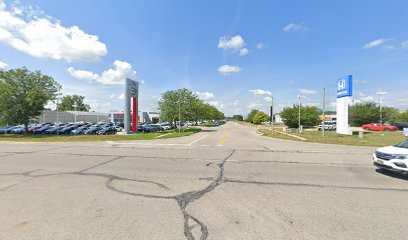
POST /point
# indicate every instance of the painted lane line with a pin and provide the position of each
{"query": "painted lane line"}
(198, 139)
(163, 135)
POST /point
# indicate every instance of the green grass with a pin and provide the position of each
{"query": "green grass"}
(373, 139)
(92, 138)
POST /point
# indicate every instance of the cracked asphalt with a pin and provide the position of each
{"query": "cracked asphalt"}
(222, 183)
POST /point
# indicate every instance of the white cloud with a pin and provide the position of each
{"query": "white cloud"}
(236, 42)
(254, 105)
(3, 65)
(260, 46)
(205, 95)
(307, 91)
(375, 43)
(113, 76)
(228, 69)
(296, 27)
(243, 52)
(258, 92)
(117, 97)
(44, 37)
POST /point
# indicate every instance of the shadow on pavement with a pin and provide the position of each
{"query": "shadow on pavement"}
(392, 174)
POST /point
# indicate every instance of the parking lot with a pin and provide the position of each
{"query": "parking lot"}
(222, 183)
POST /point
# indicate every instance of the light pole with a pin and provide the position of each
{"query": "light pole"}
(299, 97)
(271, 120)
(381, 94)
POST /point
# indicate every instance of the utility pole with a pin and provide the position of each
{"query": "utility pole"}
(381, 94)
(299, 113)
(324, 110)
(179, 115)
(272, 120)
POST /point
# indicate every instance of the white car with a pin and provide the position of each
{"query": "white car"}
(392, 158)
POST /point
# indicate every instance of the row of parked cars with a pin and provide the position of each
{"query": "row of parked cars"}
(79, 128)
(64, 128)
(385, 127)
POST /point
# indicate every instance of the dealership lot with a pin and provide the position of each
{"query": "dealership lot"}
(222, 183)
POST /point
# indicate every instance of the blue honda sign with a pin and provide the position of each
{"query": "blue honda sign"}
(345, 87)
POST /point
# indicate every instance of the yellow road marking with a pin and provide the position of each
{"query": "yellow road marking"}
(223, 139)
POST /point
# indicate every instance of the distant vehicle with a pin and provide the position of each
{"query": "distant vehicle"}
(392, 158)
(151, 128)
(54, 130)
(18, 130)
(400, 125)
(68, 129)
(328, 126)
(42, 129)
(166, 126)
(379, 127)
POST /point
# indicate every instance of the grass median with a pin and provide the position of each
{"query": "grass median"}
(372, 139)
(92, 138)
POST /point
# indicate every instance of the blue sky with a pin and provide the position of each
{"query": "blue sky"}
(220, 49)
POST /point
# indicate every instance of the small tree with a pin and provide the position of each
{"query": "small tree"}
(73, 103)
(251, 115)
(260, 117)
(403, 116)
(309, 116)
(23, 95)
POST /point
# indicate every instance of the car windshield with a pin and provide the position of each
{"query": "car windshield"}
(403, 144)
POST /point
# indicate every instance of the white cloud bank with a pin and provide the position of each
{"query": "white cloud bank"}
(113, 76)
(205, 95)
(43, 37)
(228, 69)
(243, 52)
(295, 27)
(258, 92)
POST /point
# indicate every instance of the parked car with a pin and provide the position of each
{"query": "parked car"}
(165, 126)
(392, 158)
(379, 127)
(43, 129)
(400, 125)
(67, 129)
(54, 130)
(106, 131)
(151, 128)
(79, 130)
(328, 126)
(9, 129)
(92, 130)
(18, 130)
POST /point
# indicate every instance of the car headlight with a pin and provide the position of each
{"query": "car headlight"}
(400, 156)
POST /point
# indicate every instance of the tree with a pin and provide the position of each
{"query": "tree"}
(23, 95)
(309, 116)
(238, 117)
(403, 116)
(73, 103)
(363, 113)
(185, 103)
(260, 117)
(251, 115)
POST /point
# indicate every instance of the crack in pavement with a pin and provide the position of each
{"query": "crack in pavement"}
(183, 200)
(312, 185)
(298, 162)
(300, 151)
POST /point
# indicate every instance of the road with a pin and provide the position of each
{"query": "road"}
(223, 183)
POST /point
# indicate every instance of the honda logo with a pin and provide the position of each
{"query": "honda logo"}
(341, 85)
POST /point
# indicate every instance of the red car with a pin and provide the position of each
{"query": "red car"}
(379, 127)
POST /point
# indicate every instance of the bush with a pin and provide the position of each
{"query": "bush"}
(369, 112)
(260, 117)
(251, 115)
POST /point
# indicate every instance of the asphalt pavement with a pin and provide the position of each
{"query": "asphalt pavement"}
(226, 182)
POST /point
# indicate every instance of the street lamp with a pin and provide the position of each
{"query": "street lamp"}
(381, 94)
(271, 120)
(299, 97)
